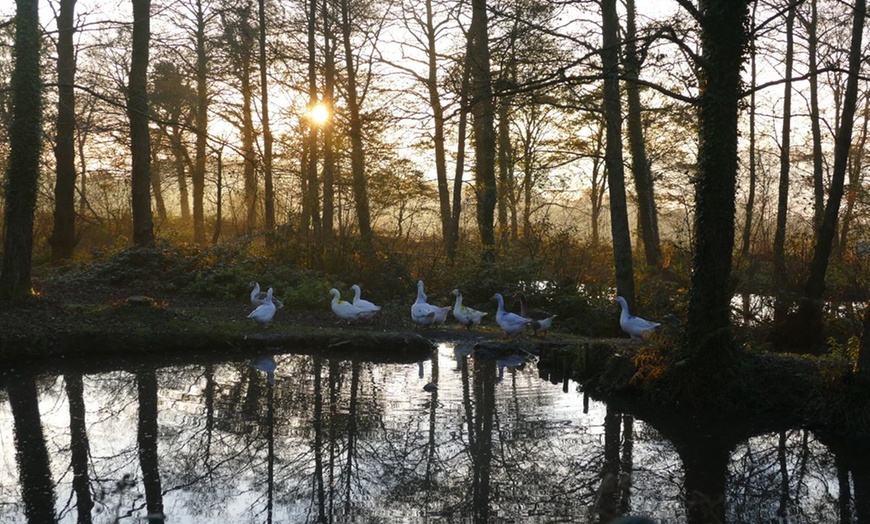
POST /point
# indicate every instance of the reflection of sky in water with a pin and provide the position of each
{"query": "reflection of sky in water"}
(405, 457)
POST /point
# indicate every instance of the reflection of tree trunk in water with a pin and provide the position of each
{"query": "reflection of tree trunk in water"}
(627, 464)
(466, 401)
(334, 380)
(782, 510)
(270, 459)
(79, 447)
(351, 431)
(844, 502)
(318, 440)
(802, 467)
(607, 499)
(433, 405)
(34, 468)
(705, 463)
(484, 401)
(146, 381)
(209, 413)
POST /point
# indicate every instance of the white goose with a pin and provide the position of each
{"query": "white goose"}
(368, 308)
(638, 328)
(511, 323)
(425, 314)
(258, 297)
(343, 309)
(466, 316)
(264, 313)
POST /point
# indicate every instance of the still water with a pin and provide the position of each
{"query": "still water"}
(291, 438)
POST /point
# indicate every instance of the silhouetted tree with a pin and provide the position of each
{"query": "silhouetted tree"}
(25, 145)
(137, 112)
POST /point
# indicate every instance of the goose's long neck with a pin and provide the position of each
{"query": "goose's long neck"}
(356, 293)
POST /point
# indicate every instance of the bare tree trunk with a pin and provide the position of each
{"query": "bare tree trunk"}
(779, 269)
(811, 27)
(357, 158)
(750, 200)
(438, 127)
(619, 225)
(483, 110)
(643, 182)
(809, 314)
(198, 174)
(63, 237)
(598, 186)
(157, 184)
(269, 195)
(328, 96)
(311, 216)
(461, 130)
(505, 163)
(137, 112)
(855, 182)
(179, 153)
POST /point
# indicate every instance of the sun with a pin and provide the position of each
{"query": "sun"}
(319, 114)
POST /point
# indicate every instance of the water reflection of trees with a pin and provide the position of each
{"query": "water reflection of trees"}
(341, 441)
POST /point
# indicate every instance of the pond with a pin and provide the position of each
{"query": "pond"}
(458, 437)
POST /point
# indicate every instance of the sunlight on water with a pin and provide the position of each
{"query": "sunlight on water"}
(457, 438)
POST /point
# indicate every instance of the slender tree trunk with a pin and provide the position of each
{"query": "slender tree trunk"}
(818, 166)
(157, 184)
(643, 181)
(856, 180)
(750, 200)
(723, 40)
(461, 136)
(809, 313)
(619, 225)
(178, 152)
(328, 126)
(505, 163)
(312, 215)
(25, 144)
(779, 269)
(198, 174)
(483, 110)
(218, 219)
(357, 157)
(137, 112)
(598, 186)
(63, 237)
(268, 191)
(438, 128)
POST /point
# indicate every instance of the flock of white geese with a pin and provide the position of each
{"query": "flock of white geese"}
(424, 314)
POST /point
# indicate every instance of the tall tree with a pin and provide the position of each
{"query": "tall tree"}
(268, 190)
(619, 225)
(779, 269)
(483, 111)
(643, 180)
(809, 314)
(811, 27)
(137, 112)
(357, 156)
(724, 37)
(63, 236)
(750, 199)
(25, 145)
(201, 122)
(310, 207)
(328, 148)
